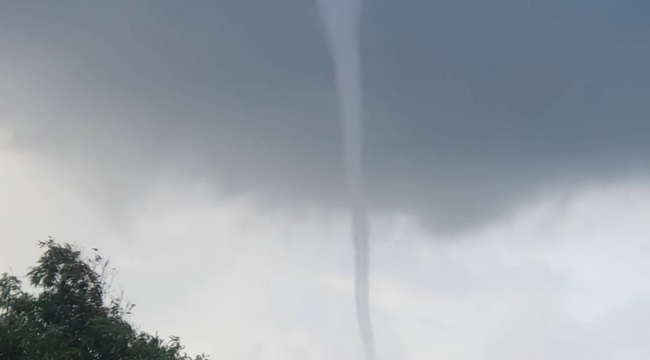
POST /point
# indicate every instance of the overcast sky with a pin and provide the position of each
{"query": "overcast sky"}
(198, 145)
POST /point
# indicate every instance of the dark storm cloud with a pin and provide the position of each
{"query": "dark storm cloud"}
(472, 106)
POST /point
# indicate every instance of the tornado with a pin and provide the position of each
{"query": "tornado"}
(341, 20)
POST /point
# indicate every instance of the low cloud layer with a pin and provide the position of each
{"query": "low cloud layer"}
(564, 279)
(473, 109)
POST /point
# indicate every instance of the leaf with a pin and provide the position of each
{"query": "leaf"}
(71, 315)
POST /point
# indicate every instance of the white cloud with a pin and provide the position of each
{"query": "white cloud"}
(563, 280)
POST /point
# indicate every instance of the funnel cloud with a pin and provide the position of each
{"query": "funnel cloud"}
(341, 20)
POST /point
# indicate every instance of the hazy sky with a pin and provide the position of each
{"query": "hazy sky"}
(197, 143)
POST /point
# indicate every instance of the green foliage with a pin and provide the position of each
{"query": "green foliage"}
(71, 316)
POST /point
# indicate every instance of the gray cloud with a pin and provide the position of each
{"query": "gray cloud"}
(472, 108)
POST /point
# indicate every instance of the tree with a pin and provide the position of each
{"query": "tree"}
(72, 315)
